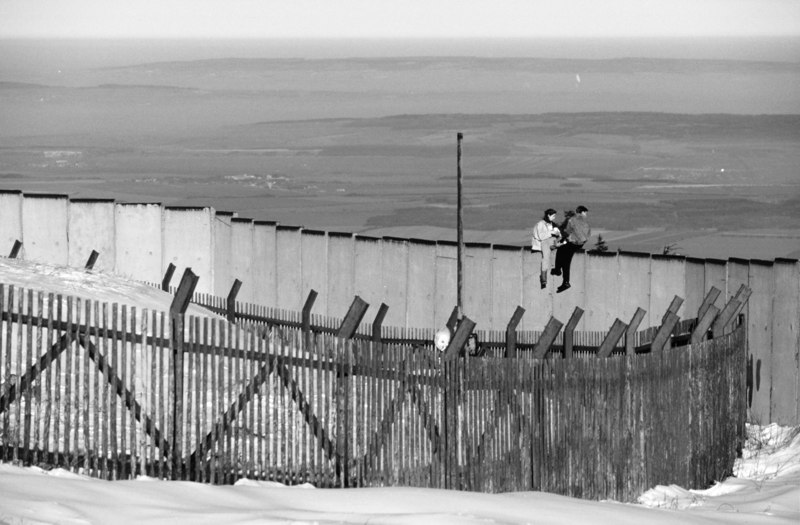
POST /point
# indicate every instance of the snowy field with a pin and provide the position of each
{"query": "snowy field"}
(764, 490)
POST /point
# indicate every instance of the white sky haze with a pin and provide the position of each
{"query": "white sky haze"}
(392, 19)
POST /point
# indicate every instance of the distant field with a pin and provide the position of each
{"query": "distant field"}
(250, 140)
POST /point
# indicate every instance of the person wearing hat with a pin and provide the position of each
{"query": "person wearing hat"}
(545, 235)
(576, 232)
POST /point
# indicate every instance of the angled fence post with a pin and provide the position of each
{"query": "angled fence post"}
(309, 304)
(742, 295)
(673, 307)
(15, 250)
(569, 331)
(728, 313)
(377, 323)
(92, 259)
(354, 316)
(708, 300)
(180, 303)
(630, 333)
(664, 332)
(459, 339)
(613, 336)
(703, 324)
(453, 320)
(231, 301)
(511, 331)
(167, 277)
(545, 341)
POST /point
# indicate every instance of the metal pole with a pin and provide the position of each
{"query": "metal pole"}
(460, 233)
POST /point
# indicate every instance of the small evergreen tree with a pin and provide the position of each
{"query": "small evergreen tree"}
(600, 246)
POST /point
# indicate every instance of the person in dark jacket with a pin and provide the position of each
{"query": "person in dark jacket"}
(576, 232)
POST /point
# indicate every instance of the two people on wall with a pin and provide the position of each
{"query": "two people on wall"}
(564, 239)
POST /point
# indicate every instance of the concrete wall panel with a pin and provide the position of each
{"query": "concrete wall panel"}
(446, 282)
(717, 275)
(264, 263)
(91, 227)
(394, 267)
(634, 286)
(694, 286)
(538, 302)
(222, 273)
(314, 253)
(341, 275)
(602, 290)
(288, 274)
(10, 220)
(507, 284)
(738, 275)
(242, 262)
(189, 243)
(478, 286)
(785, 402)
(421, 283)
(667, 279)
(368, 278)
(138, 242)
(564, 303)
(759, 327)
(45, 220)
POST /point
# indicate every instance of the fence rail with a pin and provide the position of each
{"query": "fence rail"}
(114, 392)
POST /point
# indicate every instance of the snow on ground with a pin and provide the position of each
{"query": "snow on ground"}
(765, 488)
(765, 491)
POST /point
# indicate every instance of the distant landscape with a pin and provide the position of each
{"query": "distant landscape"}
(697, 157)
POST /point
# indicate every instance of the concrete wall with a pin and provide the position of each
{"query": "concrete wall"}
(279, 265)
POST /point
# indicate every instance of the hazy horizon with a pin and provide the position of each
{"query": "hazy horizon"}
(31, 53)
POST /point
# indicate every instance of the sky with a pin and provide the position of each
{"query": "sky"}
(393, 19)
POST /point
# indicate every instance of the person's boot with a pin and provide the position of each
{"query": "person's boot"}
(563, 287)
(543, 279)
(555, 271)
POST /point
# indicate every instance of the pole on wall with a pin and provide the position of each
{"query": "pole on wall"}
(460, 232)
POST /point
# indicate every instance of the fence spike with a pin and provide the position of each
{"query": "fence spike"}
(613, 336)
(511, 331)
(630, 333)
(569, 331)
(549, 335)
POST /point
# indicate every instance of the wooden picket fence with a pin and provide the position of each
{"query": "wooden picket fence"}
(115, 392)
